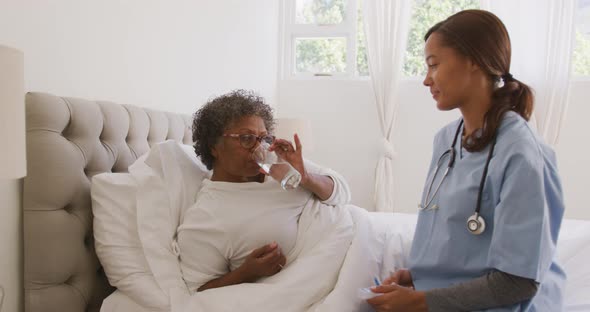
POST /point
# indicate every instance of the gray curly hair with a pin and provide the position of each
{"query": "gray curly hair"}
(211, 120)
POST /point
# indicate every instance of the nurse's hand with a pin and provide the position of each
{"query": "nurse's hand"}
(398, 298)
(401, 277)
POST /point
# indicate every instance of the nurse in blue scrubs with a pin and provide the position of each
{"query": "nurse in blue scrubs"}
(492, 203)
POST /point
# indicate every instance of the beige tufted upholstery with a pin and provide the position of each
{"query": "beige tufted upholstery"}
(68, 141)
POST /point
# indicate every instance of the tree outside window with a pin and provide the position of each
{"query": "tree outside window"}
(581, 53)
(326, 54)
(427, 13)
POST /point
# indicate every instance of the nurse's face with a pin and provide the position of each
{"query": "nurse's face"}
(233, 161)
(449, 75)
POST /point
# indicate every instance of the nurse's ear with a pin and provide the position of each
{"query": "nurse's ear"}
(473, 66)
(477, 73)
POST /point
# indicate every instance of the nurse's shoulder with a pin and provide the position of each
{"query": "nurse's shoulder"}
(516, 137)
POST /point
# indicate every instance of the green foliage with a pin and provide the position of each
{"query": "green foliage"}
(320, 55)
(328, 55)
(427, 13)
(324, 12)
(581, 55)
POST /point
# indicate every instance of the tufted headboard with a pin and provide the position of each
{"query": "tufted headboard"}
(69, 140)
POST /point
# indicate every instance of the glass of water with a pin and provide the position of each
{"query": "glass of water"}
(276, 167)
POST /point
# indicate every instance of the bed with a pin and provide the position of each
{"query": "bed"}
(70, 140)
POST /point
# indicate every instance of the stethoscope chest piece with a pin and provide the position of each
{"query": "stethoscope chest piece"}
(476, 224)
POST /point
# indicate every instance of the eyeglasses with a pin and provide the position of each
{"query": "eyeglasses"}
(249, 140)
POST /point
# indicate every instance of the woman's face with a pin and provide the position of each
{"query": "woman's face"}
(233, 162)
(449, 74)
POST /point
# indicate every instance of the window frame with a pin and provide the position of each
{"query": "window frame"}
(575, 77)
(290, 31)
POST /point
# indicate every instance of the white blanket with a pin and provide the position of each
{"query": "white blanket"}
(333, 258)
(336, 252)
(363, 262)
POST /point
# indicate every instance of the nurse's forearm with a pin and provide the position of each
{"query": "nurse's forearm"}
(495, 289)
(322, 186)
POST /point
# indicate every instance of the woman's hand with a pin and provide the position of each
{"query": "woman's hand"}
(292, 155)
(401, 277)
(265, 261)
(322, 186)
(398, 298)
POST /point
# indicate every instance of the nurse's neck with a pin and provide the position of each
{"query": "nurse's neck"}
(473, 114)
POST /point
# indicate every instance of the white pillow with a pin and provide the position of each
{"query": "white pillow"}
(117, 242)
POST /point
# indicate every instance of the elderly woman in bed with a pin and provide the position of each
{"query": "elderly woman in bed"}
(243, 224)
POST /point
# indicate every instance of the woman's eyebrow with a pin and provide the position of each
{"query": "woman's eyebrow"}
(251, 131)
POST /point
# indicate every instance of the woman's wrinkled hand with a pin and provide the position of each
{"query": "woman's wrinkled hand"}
(293, 155)
(265, 261)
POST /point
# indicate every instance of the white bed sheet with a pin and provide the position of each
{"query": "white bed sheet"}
(395, 233)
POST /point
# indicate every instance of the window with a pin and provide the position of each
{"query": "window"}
(581, 53)
(425, 14)
(326, 37)
(321, 38)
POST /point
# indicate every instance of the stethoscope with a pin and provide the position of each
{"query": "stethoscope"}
(475, 223)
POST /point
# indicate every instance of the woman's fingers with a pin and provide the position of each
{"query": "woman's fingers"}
(280, 263)
(266, 249)
(297, 142)
(282, 146)
(272, 257)
(273, 262)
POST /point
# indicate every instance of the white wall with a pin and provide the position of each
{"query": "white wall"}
(346, 133)
(169, 55)
(11, 265)
(573, 152)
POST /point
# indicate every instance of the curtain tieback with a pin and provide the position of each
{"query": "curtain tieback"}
(387, 149)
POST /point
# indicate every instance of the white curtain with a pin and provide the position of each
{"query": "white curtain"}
(386, 28)
(542, 35)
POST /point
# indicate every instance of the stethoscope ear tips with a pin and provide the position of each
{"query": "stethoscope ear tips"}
(476, 224)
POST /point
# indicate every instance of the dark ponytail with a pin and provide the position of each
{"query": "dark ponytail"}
(512, 96)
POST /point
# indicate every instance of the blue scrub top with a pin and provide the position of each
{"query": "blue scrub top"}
(522, 205)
